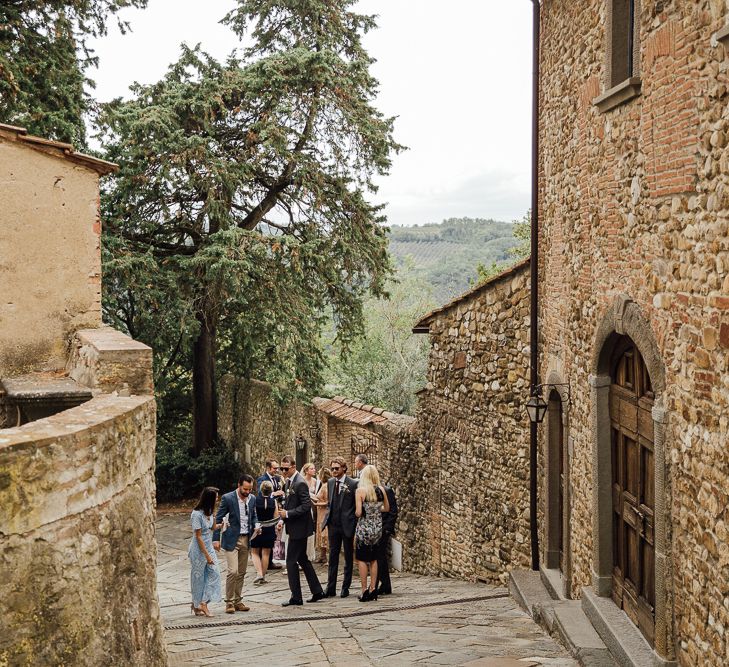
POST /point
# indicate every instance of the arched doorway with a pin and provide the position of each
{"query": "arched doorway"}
(557, 483)
(633, 486)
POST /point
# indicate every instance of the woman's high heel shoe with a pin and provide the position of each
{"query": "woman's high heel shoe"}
(365, 596)
(204, 611)
(372, 595)
(196, 611)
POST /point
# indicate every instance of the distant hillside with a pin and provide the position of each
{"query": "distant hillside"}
(446, 254)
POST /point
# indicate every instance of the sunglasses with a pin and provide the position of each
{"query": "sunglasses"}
(335, 468)
(285, 469)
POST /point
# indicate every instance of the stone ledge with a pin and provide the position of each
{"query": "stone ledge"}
(623, 639)
(106, 360)
(617, 95)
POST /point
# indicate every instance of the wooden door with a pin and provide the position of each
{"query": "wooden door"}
(633, 487)
(560, 458)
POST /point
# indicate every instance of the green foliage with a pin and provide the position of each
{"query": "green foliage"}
(181, 475)
(445, 254)
(522, 232)
(240, 206)
(387, 365)
(43, 60)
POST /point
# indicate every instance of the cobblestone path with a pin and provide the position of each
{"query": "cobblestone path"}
(427, 621)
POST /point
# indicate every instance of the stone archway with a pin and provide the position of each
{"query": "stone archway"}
(624, 319)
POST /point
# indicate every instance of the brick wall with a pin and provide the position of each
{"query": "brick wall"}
(635, 203)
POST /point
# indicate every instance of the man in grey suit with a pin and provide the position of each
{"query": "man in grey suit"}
(340, 522)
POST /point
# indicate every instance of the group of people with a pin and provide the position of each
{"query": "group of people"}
(301, 515)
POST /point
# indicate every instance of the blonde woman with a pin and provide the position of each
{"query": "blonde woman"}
(370, 502)
(308, 470)
(322, 501)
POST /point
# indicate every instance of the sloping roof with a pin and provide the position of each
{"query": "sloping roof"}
(351, 411)
(58, 148)
(423, 324)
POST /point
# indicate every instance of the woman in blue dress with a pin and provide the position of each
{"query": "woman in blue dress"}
(204, 570)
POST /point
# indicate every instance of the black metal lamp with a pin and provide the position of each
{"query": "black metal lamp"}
(300, 442)
(536, 409)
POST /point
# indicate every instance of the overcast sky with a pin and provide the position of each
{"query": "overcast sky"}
(457, 74)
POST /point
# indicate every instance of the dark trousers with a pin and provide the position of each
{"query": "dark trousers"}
(295, 556)
(337, 539)
(383, 567)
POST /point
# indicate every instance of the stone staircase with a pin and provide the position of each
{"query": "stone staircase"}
(540, 596)
(593, 629)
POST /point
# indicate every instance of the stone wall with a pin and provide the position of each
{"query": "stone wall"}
(464, 463)
(257, 426)
(49, 242)
(77, 543)
(635, 209)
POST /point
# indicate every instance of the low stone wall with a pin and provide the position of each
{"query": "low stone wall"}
(77, 544)
(256, 426)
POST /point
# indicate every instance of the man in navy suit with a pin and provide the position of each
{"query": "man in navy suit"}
(240, 506)
(296, 513)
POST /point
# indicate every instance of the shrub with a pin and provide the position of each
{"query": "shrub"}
(180, 475)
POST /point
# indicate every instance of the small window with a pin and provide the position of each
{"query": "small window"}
(623, 42)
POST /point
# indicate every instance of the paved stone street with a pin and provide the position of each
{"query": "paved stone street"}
(427, 621)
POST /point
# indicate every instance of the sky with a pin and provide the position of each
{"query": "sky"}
(457, 75)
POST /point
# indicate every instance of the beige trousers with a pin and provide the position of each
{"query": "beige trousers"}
(237, 562)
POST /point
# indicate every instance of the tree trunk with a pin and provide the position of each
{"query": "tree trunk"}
(204, 395)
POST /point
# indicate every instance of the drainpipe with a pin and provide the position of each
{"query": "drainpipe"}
(534, 285)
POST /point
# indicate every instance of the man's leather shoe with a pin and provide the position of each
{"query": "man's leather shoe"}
(242, 607)
(291, 603)
(316, 597)
(381, 591)
(344, 593)
(330, 594)
(229, 608)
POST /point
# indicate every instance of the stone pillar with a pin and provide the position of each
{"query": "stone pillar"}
(602, 520)
(663, 615)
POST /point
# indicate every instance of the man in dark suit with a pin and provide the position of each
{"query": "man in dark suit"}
(271, 475)
(240, 506)
(299, 521)
(388, 530)
(340, 522)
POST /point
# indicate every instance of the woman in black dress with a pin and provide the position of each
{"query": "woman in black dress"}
(261, 546)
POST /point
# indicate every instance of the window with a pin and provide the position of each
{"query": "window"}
(622, 67)
(622, 41)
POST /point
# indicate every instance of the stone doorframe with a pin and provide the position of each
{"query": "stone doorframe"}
(626, 319)
(552, 486)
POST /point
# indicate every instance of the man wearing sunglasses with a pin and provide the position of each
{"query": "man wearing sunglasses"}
(296, 514)
(340, 522)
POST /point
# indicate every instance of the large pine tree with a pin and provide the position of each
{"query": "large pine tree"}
(44, 59)
(240, 213)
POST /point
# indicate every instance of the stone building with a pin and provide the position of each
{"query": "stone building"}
(634, 318)
(77, 429)
(467, 453)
